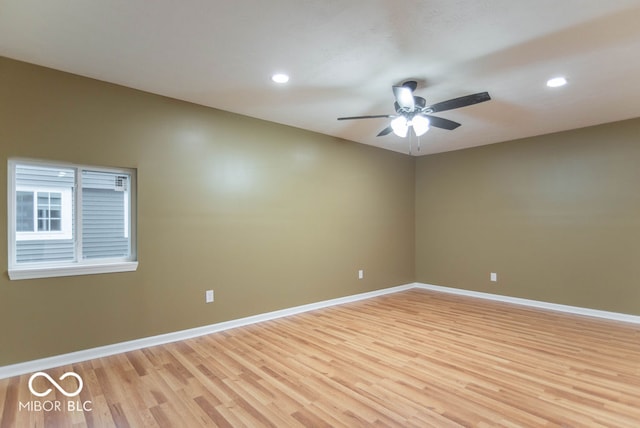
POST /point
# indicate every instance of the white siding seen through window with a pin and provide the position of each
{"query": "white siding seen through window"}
(68, 220)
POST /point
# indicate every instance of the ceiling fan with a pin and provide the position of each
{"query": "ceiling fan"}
(413, 112)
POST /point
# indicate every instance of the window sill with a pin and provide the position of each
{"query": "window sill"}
(69, 270)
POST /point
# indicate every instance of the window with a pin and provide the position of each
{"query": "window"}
(43, 213)
(49, 211)
(70, 220)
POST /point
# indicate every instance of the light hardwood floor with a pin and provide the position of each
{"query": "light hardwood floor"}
(415, 358)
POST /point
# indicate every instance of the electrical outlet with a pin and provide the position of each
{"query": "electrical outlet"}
(209, 296)
(493, 277)
(361, 274)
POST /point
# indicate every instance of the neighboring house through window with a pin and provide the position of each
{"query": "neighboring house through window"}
(70, 220)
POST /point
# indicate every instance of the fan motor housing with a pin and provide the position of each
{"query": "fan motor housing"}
(420, 104)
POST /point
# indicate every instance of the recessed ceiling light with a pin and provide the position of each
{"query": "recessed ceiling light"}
(280, 78)
(556, 82)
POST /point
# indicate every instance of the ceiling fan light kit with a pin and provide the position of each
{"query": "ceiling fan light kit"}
(400, 126)
(420, 124)
(412, 112)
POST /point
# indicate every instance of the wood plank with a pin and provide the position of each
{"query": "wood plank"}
(417, 358)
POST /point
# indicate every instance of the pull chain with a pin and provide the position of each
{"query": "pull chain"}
(410, 143)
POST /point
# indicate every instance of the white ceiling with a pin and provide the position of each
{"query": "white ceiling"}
(344, 55)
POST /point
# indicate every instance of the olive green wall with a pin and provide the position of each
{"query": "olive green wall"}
(272, 217)
(557, 217)
(268, 216)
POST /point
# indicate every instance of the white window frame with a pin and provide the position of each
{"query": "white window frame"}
(79, 266)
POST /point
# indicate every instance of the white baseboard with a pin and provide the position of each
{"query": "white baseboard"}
(117, 348)
(615, 316)
(132, 345)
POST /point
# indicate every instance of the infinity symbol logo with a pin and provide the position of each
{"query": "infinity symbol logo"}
(55, 384)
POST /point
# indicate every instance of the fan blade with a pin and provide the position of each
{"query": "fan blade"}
(386, 131)
(439, 122)
(460, 102)
(365, 117)
(404, 97)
